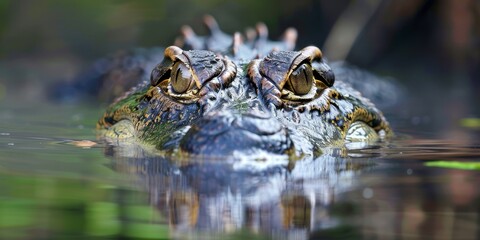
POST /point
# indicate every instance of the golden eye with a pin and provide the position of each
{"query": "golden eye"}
(300, 80)
(181, 79)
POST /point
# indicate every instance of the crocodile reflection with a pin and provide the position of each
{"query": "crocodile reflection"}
(214, 197)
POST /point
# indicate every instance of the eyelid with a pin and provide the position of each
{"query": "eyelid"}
(159, 74)
(323, 73)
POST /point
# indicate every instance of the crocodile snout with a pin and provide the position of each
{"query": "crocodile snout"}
(223, 134)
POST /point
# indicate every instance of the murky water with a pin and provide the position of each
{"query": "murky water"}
(55, 183)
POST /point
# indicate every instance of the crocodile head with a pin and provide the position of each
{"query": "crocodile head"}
(212, 99)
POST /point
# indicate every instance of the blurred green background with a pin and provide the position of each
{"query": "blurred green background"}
(430, 46)
(49, 188)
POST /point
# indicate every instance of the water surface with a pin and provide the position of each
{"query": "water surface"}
(58, 182)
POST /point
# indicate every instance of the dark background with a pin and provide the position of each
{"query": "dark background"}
(430, 47)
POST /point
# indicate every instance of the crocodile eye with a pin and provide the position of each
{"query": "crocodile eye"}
(181, 79)
(300, 80)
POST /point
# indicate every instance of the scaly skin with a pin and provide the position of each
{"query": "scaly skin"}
(249, 98)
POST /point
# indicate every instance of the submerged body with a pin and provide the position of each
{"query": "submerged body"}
(253, 98)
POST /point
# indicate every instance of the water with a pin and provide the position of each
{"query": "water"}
(57, 182)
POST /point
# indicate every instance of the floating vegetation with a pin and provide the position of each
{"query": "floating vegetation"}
(470, 122)
(455, 165)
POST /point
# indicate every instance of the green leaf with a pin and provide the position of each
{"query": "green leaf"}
(455, 165)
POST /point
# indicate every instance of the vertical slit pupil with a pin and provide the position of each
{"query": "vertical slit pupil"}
(182, 79)
(301, 79)
(176, 75)
(305, 74)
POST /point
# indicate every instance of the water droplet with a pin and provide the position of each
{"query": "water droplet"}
(409, 171)
(4, 134)
(11, 144)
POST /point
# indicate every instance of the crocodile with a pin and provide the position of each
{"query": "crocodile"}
(221, 95)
